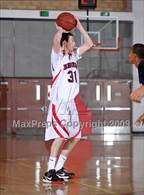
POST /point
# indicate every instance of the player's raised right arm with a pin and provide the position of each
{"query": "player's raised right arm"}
(56, 39)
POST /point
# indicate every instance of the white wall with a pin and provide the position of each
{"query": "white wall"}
(138, 37)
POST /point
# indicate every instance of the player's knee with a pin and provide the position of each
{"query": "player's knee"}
(59, 140)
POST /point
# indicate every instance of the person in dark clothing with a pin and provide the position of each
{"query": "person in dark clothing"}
(136, 57)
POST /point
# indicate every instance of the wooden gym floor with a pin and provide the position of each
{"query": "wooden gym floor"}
(104, 165)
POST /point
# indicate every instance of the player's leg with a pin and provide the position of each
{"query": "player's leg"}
(50, 175)
(71, 143)
(52, 133)
(55, 147)
(67, 148)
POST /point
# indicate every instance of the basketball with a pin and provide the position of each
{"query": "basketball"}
(67, 21)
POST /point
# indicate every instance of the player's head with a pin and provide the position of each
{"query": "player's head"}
(136, 53)
(67, 42)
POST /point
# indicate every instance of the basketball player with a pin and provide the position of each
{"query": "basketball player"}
(62, 114)
(136, 57)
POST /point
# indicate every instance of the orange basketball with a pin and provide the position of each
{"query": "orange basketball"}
(66, 20)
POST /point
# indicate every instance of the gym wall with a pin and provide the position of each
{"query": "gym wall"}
(26, 48)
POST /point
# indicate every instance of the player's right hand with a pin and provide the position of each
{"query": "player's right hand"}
(59, 28)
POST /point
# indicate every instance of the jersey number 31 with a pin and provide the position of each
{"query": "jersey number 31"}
(72, 76)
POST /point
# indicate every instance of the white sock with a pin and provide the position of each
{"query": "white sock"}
(51, 163)
(60, 162)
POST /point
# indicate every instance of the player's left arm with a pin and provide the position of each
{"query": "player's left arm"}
(87, 40)
(138, 94)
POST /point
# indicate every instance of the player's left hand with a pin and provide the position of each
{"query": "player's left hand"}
(137, 95)
(96, 46)
(140, 120)
(79, 25)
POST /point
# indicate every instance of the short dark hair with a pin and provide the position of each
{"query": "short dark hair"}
(65, 37)
(138, 49)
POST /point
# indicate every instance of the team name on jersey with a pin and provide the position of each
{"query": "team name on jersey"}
(70, 65)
